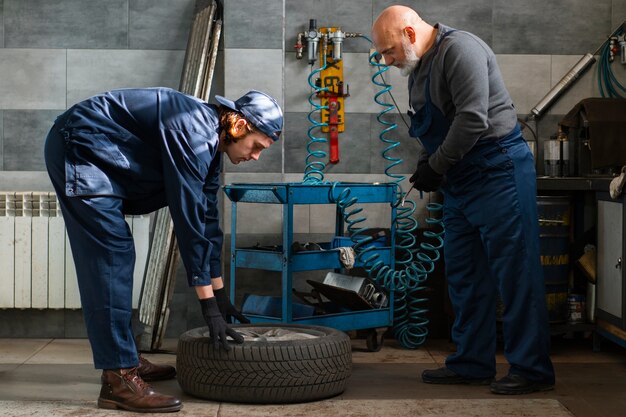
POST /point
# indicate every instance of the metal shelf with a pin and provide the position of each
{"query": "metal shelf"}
(284, 259)
(301, 261)
(353, 320)
(574, 183)
(298, 193)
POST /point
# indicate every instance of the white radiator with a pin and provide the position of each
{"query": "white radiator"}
(36, 266)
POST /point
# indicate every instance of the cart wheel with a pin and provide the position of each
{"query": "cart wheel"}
(283, 363)
(373, 341)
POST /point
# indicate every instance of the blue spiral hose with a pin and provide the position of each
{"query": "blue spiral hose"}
(412, 263)
(315, 165)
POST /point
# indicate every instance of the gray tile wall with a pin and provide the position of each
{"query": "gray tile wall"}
(350, 16)
(253, 24)
(55, 53)
(90, 24)
(475, 16)
(92, 71)
(554, 27)
(159, 24)
(2, 23)
(25, 132)
(32, 78)
(61, 51)
(618, 13)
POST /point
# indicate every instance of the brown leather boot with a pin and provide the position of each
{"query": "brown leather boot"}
(124, 389)
(149, 371)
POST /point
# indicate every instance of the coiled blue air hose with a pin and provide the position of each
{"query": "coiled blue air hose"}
(413, 264)
(315, 165)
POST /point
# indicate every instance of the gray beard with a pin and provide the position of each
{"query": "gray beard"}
(411, 60)
(409, 66)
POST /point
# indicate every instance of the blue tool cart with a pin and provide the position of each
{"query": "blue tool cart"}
(287, 261)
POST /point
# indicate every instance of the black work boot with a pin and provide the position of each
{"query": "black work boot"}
(124, 389)
(149, 371)
(446, 376)
(516, 384)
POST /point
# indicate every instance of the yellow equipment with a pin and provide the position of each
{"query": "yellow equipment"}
(331, 84)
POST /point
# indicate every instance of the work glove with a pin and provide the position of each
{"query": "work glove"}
(227, 309)
(425, 178)
(218, 329)
(417, 168)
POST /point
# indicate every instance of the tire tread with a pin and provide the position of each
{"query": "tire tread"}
(265, 372)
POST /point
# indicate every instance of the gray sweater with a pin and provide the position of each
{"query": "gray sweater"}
(467, 86)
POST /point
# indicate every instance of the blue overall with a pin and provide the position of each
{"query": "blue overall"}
(131, 152)
(491, 242)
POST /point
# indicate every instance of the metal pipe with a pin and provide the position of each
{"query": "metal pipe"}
(566, 82)
(205, 46)
(212, 58)
(581, 66)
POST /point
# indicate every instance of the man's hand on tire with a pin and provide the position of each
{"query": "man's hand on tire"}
(218, 329)
(227, 309)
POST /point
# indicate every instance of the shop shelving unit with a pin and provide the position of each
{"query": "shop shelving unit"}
(286, 261)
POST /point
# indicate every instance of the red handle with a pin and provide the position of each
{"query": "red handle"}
(334, 145)
(334, 129)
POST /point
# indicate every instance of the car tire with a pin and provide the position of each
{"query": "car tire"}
(282, 363)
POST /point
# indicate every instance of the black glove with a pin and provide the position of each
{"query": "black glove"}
(227, 309)
(425, 178)
(417, 168)
(218, 329)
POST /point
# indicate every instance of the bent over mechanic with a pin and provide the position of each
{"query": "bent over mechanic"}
(132, 151)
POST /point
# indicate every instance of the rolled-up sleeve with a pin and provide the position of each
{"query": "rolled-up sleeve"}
(185, 169)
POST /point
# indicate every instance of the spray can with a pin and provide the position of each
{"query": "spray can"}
(576, 305)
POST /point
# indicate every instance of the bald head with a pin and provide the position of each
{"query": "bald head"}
(400, 35)
(395, 18)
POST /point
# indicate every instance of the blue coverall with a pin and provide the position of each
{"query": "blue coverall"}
(133, 151)
(491, 242)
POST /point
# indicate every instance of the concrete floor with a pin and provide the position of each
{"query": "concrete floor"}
(55, 377)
